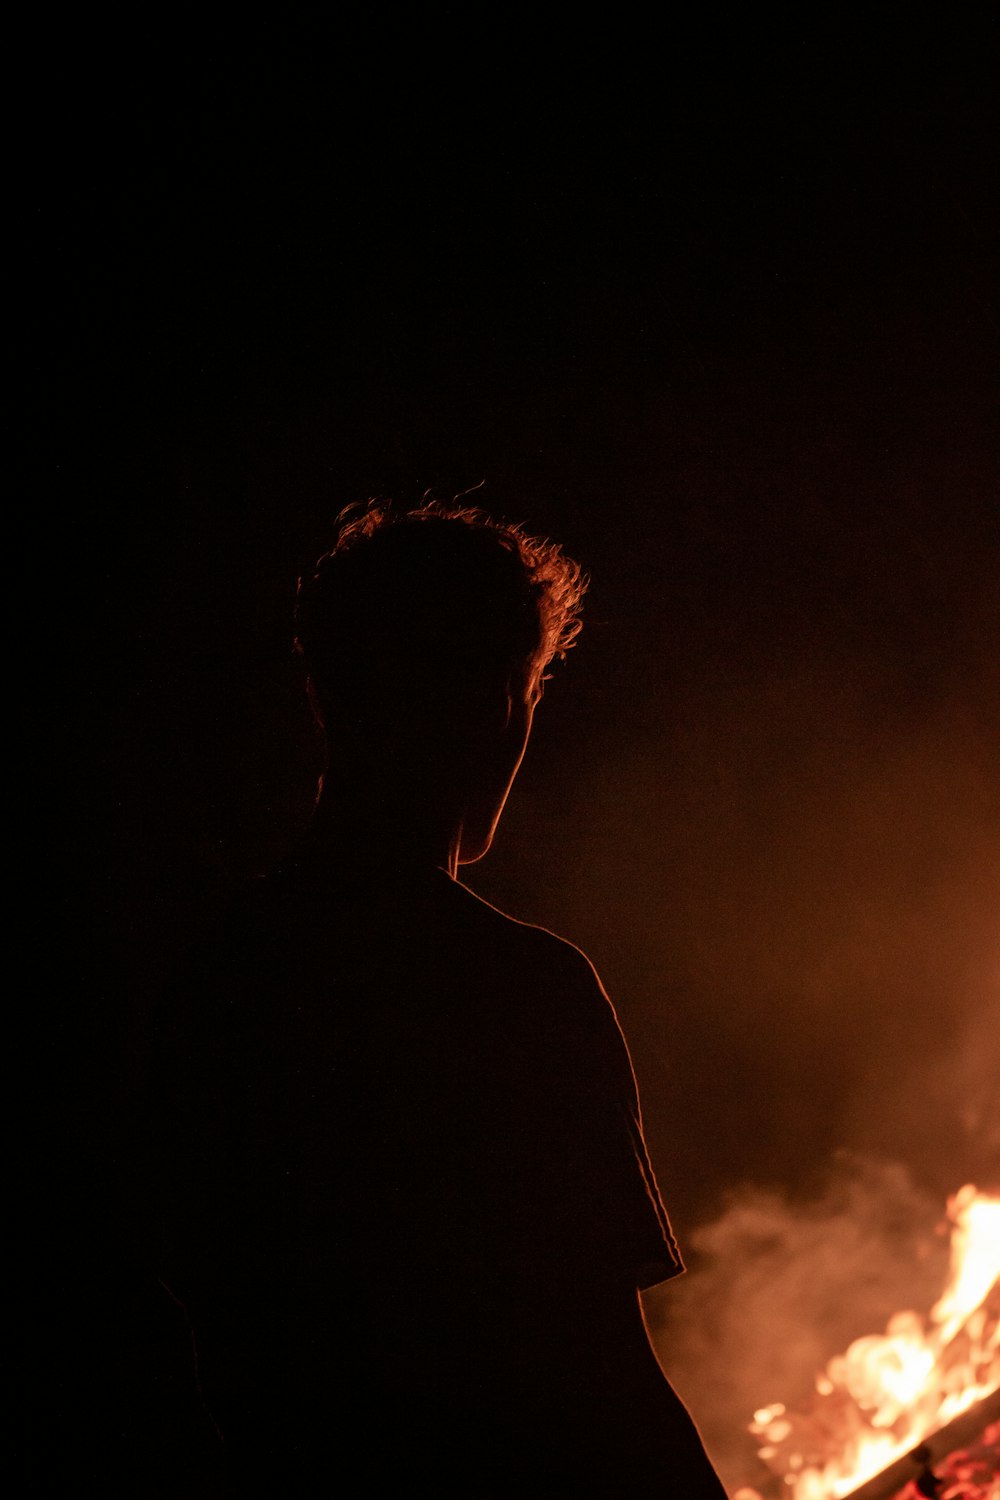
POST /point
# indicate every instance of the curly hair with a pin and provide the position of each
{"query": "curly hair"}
(439, 598)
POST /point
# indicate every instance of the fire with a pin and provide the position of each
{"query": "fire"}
(888, 1392)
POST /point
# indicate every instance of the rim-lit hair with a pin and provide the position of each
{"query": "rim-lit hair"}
(442, 599)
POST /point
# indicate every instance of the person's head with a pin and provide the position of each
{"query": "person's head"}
(426, 635)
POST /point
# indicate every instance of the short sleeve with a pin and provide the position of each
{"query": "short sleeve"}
(657, 1256)
(623, 1173)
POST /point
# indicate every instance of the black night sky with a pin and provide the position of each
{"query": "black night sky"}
(719, 313)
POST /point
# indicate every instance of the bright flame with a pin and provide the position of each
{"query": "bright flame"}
(888, 1392)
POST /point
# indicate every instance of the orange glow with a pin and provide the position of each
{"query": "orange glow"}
(888, 1392)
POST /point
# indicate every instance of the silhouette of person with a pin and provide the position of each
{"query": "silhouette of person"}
(401, 1186)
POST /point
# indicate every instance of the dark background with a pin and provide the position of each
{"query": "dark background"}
(718, 311)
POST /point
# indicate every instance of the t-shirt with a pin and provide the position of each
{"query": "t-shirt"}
(403, 1192)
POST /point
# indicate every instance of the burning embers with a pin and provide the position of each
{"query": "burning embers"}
(889, 1392)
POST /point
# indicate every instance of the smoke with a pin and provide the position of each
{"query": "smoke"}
(776, 1287)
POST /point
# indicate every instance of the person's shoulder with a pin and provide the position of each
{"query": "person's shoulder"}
(564, 966)
(516, 931)
(568, 1004)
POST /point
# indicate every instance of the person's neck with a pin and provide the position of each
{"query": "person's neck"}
(369, 830)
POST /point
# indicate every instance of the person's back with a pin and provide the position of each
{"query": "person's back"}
(404, 1192)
